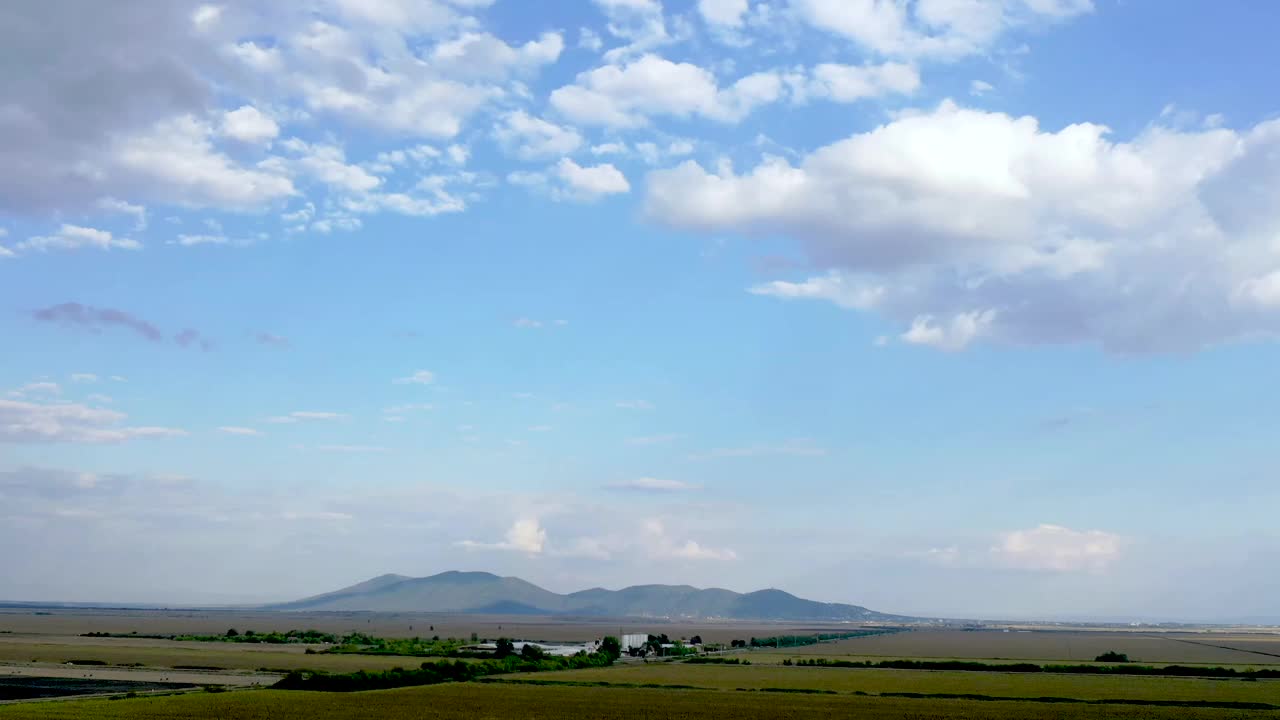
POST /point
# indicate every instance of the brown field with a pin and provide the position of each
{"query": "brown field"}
(484, 701)
(164, 622)
(848, 680)
(1049, 645)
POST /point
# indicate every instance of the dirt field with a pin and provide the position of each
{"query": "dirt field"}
(476, 701)
(170, 654)
(1051, 645)
(161, 622)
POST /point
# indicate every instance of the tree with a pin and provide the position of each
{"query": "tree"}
(233, 633)
(695, 640)
(611, 646)
(1112, 656)
(506, 648)
(532, 652)
(738, 643)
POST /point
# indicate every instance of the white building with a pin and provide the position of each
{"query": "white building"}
(634, 641)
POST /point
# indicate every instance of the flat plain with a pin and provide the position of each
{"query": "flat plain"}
(39, 643)
(1162, 648)
(483, 701)
(872, 680)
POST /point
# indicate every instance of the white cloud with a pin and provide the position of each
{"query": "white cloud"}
(178, 163)
(526, 535)
(653, 485)
(420, 377)
(248, 124)
(979, 224)
(980, 87)
(851, 83)
(481, 55)
(327, 164)
(589, 39)
(42, 387)
(75, 237)
(940, 29)
(626, 96)
(236, 430)
(113, 205)
(193, 240)
(638, 22)
(659, 544)
(723, 13)
(84, 378)
(962, 329)
(590, 182)
(530, 137)
(26, 422)
(527, 323)
(1053, 547)
(834, 287)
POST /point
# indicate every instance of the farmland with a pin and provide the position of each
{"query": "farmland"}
(470, 700)
(842, 680)
(1052, 646)
(38, 646)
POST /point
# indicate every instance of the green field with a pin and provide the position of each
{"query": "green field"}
(471, 700)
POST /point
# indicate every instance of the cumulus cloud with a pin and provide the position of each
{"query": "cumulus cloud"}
(29, 422)
(530, 137)
(851, 83)
(659, 543)
(248, 124)
(570, 181)
(525, 535)
(590, 182)
(74, 237)
(963, 224)
(626, 96)
(1053, 547)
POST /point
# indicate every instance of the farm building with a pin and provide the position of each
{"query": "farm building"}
(634, 641)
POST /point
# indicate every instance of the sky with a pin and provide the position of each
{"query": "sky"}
(943, 307)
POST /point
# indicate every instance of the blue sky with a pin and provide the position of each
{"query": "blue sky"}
(936, 306)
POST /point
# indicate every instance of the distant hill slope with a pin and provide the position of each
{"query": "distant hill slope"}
(481, 592)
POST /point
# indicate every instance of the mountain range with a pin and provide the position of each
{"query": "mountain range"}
(486, 593)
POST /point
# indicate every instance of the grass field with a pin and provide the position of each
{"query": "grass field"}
(581, 703)
(845, 680)
(1048, 646)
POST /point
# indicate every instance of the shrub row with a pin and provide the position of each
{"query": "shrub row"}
(1177, 670)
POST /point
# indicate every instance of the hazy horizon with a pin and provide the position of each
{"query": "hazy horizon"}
(949, 309)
